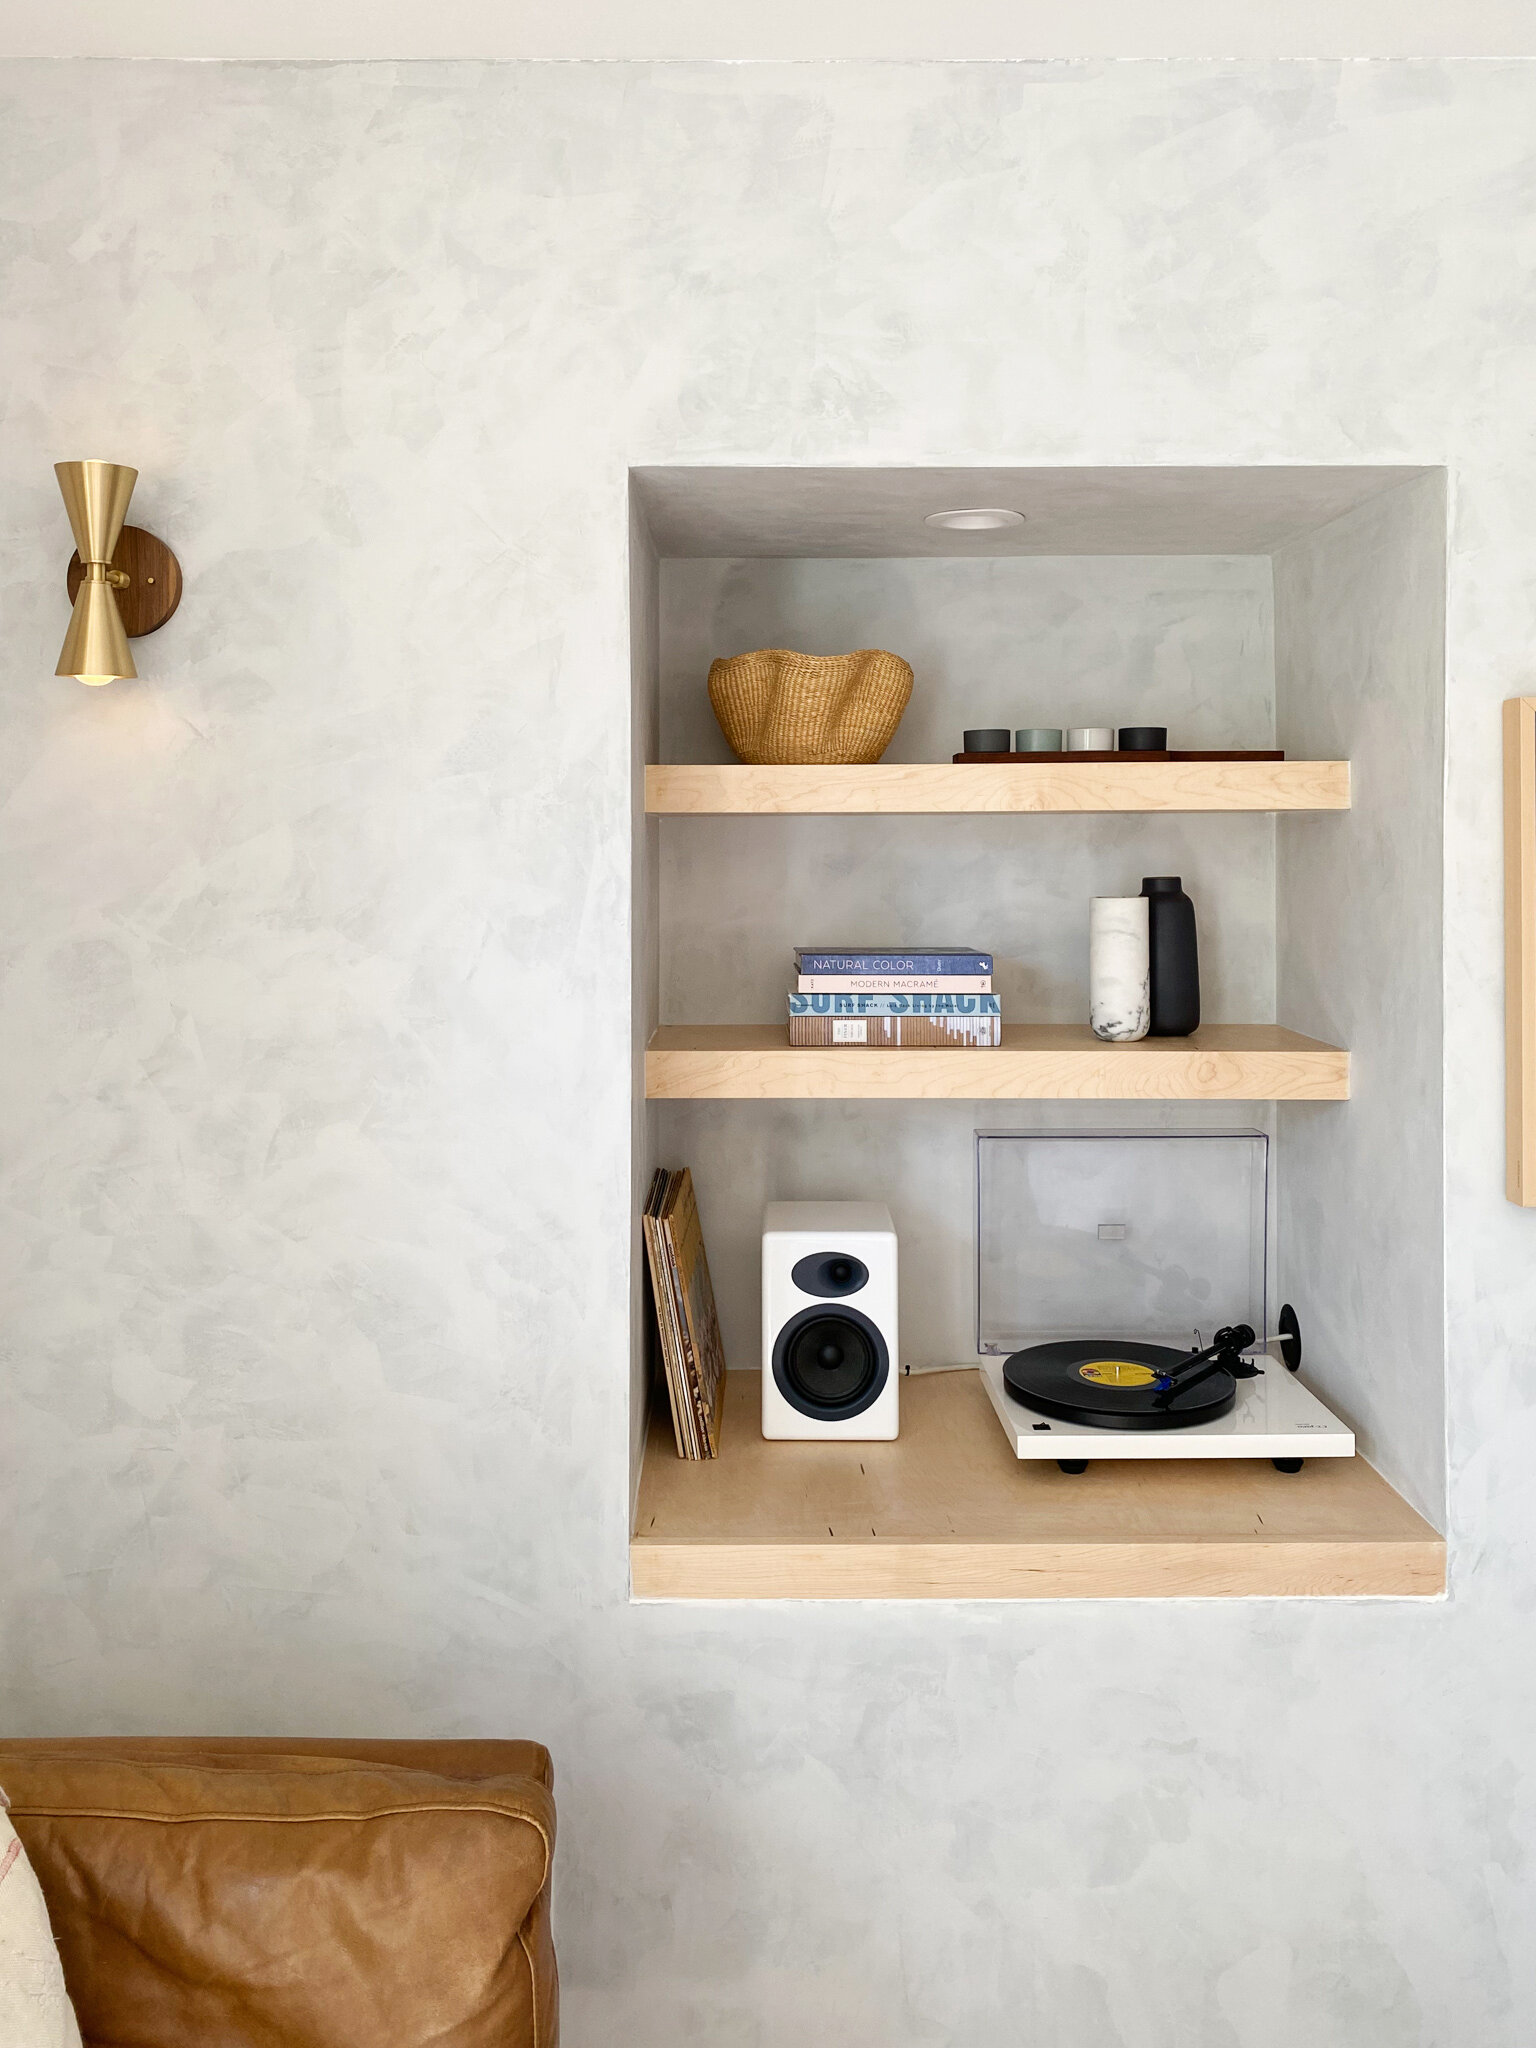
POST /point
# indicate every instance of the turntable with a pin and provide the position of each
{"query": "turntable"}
(1140, 1234)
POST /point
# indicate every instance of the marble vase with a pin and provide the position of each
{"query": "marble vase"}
(1119, 967)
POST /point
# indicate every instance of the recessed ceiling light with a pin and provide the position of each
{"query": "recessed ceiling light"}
(975, 518)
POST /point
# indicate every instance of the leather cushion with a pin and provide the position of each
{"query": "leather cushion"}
(239, 1897)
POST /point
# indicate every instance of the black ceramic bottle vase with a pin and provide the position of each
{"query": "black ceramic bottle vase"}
(1175, 957)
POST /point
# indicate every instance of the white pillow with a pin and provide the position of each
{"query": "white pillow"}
(35, 2011)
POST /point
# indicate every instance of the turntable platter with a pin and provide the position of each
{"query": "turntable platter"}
(1115, 1384)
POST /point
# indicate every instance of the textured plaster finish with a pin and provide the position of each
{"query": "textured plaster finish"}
(1187, 642)
(794, 29)
(715, 510)
(1183, 643)
(1360, 658)
(316, 1270)
(918, 1156)
(645, 963)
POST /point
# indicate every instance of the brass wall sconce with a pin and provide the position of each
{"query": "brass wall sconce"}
(123, 582)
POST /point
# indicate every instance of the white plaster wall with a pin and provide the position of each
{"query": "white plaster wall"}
(645, 954)
(316, 1273)
(1360, 647)
(1184, 641)
(918, 1158)
(793, 29)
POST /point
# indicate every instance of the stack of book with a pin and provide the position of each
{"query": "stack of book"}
(692, 1354)
(894, 995)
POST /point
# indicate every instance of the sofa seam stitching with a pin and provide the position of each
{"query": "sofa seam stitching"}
(278, 1819)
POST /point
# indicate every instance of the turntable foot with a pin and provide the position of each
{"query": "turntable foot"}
(1286, 1464)
(1072, 1464)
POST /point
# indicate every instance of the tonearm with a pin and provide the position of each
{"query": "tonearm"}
(1225, 1355)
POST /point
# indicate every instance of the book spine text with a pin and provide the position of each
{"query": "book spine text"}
(919, 1005)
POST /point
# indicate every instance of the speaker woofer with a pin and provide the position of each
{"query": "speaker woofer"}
(830, 1363)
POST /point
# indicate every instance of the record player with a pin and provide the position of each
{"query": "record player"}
(1102, 1258)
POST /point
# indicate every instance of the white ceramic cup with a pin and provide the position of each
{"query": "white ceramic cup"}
(1119, 968)
(1091, 739)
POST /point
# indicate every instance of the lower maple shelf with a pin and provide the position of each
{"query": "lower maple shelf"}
(1039, 1062)
(948, 1513)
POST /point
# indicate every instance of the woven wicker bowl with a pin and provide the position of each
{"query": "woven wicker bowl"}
(777, 706)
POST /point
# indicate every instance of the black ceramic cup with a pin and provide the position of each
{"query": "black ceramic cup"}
(989, 739)
(1143, 739)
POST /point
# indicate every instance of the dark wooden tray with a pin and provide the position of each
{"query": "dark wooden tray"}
(1171, 754)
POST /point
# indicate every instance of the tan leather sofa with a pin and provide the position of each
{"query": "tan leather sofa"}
(288, 1894)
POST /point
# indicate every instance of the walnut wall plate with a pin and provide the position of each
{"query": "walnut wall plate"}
(153, 589)
(1130, 754)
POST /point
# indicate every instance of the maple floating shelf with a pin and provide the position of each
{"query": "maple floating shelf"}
(947, 1512)
(896, 787)
(1061, 1062)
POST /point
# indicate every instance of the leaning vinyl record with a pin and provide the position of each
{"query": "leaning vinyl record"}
(1115, 1384)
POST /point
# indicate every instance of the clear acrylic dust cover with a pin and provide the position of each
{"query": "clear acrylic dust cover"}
(1156, 1235)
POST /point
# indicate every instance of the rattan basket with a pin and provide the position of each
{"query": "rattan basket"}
(775, 705)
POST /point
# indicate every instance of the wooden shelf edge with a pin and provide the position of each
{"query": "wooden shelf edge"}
(895, 788)
(947, 1512)
(1398, 1569)
(1231, 1063)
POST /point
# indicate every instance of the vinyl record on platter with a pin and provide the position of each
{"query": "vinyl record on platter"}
(1110, 1384)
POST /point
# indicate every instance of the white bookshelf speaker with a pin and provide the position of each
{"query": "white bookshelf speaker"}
(830, 1361)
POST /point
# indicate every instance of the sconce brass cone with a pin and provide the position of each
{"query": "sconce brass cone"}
(96, 497)
(96, 647)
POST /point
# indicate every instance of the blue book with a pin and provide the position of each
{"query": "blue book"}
(893, 960)
(922, 1004)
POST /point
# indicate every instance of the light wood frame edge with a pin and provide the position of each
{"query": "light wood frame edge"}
(684, 789)
(1405, 1568)
(1520, 950)
(808, 1074)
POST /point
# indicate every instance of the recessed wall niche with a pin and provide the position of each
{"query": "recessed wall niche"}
(1243, 608)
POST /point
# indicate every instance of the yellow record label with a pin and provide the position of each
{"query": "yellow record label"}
(1117, 1372)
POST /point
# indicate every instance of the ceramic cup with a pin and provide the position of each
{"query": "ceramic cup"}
(1037, 739)
(1119, 968)
(1091, 739)
(1143, 739)
(989, 739)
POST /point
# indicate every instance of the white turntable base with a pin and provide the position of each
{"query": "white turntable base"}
(1275, 1417)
